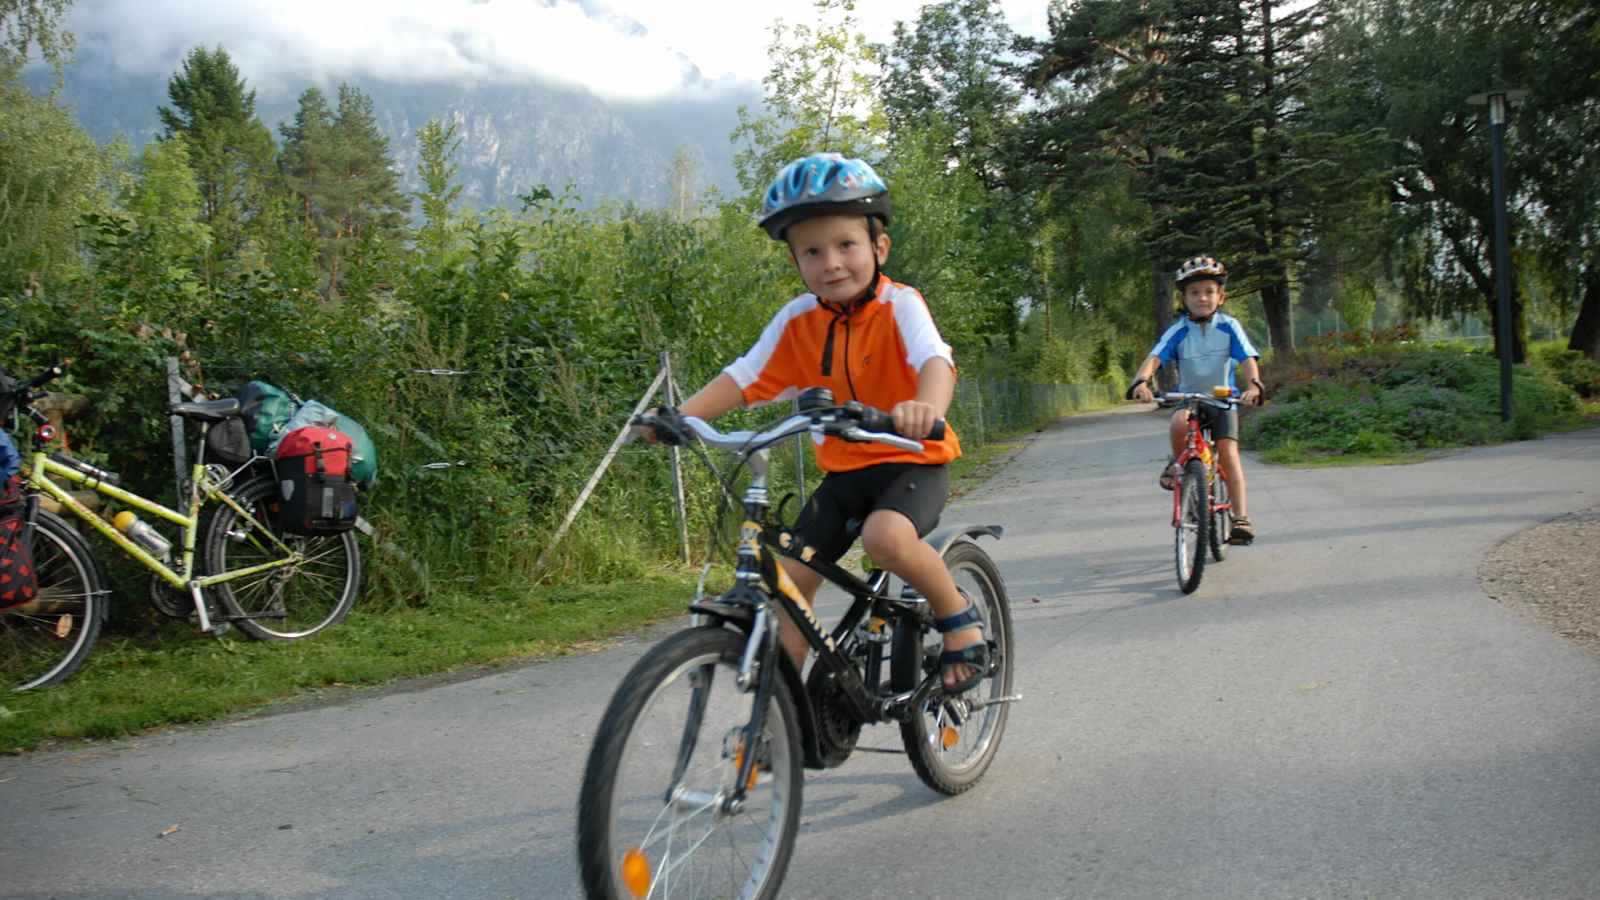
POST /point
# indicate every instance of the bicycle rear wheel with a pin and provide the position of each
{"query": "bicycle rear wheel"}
(1194, 520)
(1221, 519)
(45, 640)
(287, 603)
(950, 743)
(652, 820)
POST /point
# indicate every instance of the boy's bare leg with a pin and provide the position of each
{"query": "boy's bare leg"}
(891, 540)
(1228, 457)
(789, 635)
(1178, 432)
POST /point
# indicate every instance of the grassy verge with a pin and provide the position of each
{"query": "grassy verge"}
(127, 686)
(168, 676)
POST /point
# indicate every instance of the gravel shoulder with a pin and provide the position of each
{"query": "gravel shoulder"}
(1551, 573)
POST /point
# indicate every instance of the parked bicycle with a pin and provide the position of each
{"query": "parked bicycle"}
(1202, 512)
(692, 787)
(247, 571)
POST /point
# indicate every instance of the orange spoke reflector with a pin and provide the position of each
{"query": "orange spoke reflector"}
(636, 872)
(947, 736)
(64, 626)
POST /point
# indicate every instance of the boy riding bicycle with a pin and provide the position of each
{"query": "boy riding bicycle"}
(1207, 344)
(866, 338)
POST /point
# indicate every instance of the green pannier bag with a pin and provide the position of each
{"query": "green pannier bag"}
(266, 410)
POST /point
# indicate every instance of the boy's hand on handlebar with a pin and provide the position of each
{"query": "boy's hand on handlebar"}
(1141, 393)
(914, 419)
(655, 427)
(1251, 396)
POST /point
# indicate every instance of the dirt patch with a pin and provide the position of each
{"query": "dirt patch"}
(1551, 573)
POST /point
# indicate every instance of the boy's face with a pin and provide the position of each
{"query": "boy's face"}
(835, 255)
(1203, 297)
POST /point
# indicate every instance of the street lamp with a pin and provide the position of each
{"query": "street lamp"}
(1497, 100)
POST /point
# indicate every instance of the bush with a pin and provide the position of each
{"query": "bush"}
(1397, 402)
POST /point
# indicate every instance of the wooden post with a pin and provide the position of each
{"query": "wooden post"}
(677, 464)
(583, 496)
(180, 446)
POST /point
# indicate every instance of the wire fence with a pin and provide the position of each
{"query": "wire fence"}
(481, 469)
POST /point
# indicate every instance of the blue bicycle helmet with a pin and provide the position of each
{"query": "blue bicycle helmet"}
(822, 184)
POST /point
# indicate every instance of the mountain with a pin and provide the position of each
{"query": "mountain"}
(513, 138)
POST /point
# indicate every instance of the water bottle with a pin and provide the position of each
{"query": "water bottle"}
(142, 534)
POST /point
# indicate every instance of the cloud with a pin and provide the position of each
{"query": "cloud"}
(624, 49)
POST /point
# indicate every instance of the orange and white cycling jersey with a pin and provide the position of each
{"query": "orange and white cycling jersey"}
(872, 354)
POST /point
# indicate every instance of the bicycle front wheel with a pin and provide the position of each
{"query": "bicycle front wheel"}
(45, 640)
(286, 603)
(952, 740)
(1221, 519)
(653, 813)
(1194, 520)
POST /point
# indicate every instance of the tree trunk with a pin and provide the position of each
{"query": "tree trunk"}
(1275, 302)
(1161, 283)
(1586, 331)
(1519, 329)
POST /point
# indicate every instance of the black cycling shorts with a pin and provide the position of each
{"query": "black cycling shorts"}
(1224, 423)
(916, 491)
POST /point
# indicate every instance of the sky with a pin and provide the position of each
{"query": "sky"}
(619, 49)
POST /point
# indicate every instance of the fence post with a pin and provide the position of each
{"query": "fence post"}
(677, 466)
(583, 496)
(180, 462)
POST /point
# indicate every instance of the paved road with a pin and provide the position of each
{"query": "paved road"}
(1339, 711)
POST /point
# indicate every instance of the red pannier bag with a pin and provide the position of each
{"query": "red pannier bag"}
(19, 583)
(314, 487)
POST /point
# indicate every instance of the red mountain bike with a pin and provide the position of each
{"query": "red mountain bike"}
(1202, 510)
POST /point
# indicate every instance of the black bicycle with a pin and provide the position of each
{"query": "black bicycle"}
(692, 787)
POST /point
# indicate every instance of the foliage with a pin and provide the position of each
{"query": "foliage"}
(1571, 368)
(33, 25)
(1358, 403)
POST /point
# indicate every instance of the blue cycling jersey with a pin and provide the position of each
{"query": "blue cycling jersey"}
(10, 460)
(1206, 352)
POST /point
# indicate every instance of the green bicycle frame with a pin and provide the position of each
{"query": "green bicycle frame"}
(43, 467)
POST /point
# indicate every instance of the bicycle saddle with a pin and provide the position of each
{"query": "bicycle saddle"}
(208, 410)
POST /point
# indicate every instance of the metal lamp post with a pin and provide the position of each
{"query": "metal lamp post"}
(1496, 101)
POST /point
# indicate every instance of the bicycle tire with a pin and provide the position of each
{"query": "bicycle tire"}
(289, 603)
(46, 640)
(628, 824)
(952, 761)
(1221, 519)
(1189, 532)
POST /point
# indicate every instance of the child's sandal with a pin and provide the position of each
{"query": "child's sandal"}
(1242, 532)
(975, 656)
(1169, 474)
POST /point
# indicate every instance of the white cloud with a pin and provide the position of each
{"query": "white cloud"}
(617, 48)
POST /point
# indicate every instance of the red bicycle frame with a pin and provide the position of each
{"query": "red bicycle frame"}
(1197, 445)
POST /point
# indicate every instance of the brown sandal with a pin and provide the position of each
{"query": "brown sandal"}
(1242, 532)
(1169, 475)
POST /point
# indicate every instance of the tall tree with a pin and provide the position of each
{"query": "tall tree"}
(231, 152)
(346, 189)
(33, 25)
(818, 96)
(1099, 82)
(437, 144)
(51, 173)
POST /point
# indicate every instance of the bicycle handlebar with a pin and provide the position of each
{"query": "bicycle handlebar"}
(1174, 398)
(853, 422)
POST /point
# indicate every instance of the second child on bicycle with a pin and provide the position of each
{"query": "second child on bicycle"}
(1207, 344)
(867, 338)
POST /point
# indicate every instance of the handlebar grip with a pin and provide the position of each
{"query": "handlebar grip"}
(877, 420)
(50, 374)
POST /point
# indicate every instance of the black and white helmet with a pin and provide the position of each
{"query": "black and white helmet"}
(1201, 267)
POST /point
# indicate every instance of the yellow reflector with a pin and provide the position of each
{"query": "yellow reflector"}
(947, 736)
(1222, 392)
(64, 626)
(636, 872)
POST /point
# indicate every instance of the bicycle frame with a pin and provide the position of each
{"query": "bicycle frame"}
(759, 581)
(1198, 446)
(203, 490)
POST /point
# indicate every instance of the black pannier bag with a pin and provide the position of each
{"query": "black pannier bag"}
(228, 442)
(314, 488)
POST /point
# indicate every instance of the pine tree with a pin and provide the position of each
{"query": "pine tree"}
(230, 151)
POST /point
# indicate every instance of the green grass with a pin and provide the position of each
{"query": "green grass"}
(130, 685)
